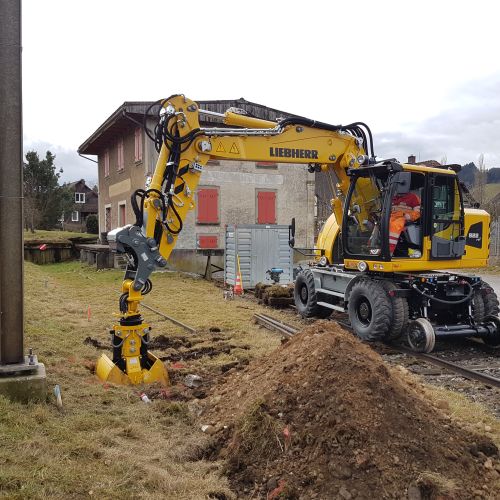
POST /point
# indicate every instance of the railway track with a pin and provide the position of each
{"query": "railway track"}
(489, 380)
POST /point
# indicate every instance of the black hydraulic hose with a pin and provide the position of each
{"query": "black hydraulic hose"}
(307, 122)
(138, 211)
(355, 128)
(367, 128)
(442, 301)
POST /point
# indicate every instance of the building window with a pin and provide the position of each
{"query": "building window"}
(207, 207)
(121, 214)
(79, 197)
(107, 218)
(121, 162)
(138, 144)
(207, 241)
(75, 216)
(266, 207)
(106, 163)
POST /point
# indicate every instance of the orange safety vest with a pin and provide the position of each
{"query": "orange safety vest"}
(404, 207)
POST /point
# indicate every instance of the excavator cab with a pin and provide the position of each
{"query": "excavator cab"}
(436, 226)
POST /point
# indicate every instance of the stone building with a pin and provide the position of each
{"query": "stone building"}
(230, 192)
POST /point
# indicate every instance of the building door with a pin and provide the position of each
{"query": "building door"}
(266, 207)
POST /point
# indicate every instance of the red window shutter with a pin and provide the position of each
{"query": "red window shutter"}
(208, 206)
(266, 207)
(207, 241)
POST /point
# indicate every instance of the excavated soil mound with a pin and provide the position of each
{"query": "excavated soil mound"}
(324, 417)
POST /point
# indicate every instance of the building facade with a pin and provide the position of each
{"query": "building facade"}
(86, 202)
(230, 192)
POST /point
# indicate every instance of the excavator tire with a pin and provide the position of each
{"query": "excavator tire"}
(478, 306)
(306, 299)
(490, 299)
(370, 310)
(400, 312)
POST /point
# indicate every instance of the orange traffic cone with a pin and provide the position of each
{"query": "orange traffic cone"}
(238, 289)
(238, 285)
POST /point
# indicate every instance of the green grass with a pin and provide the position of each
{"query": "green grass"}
(107, 443)
(55, 236)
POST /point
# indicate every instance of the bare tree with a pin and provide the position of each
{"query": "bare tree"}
(479, 188)
(444, 160)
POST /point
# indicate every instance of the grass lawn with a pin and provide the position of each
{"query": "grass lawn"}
(106, 442)
(55, 236)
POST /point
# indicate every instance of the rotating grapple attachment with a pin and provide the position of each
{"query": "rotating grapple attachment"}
(132, 363)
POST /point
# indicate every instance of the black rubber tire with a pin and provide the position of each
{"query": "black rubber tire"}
(369, 297)
(490, 299)
(400, 312)
(478, 307)
(306, 299)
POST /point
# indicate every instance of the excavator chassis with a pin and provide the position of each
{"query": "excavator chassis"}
(421, 307)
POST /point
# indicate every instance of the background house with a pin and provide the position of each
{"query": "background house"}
(230, 192)
(85, 204)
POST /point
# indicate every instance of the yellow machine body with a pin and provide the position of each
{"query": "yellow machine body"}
(185, 149)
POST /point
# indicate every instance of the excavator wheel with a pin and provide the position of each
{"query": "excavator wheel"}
(490, 299)
(400, 312)
(306, 299)
(370, 310)
(493, 340)
(421, 336)
(478, 306)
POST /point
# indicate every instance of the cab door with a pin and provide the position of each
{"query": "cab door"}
(446, 218)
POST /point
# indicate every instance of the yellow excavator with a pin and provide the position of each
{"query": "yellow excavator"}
(388, 283)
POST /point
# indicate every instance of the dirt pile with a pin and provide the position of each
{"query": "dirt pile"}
(323, 417)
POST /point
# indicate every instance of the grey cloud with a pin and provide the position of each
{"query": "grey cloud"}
(468, 127)
(74, 166)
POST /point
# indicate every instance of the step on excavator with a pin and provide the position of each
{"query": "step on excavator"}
(382, 257)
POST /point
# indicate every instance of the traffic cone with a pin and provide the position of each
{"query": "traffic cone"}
(238, 285)
(238, 289)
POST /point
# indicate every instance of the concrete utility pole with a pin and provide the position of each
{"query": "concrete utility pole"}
(20, 377)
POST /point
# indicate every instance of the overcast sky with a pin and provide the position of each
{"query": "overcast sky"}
(424, 75)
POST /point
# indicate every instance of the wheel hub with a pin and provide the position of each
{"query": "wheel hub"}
(417, 337)
(364, 312)
(303, 294)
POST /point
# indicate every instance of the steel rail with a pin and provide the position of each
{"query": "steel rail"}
(169, 318)
(274, 324)
(460, 370)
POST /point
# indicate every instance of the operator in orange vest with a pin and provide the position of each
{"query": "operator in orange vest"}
(405, 207)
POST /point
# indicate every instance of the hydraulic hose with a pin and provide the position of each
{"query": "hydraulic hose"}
(443, 301)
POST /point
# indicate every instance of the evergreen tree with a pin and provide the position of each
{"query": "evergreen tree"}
(44, 200)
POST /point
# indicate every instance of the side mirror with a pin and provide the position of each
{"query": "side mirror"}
(291, 233)
(403, 181)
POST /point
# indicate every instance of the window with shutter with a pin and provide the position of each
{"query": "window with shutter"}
(121, 160)
(106, 163)
(266, 207)
(138, 145)
(207, 209)
(207, 241)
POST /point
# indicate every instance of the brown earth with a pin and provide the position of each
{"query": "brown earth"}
(324, 417)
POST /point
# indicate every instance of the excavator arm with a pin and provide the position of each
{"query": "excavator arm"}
(161, 208)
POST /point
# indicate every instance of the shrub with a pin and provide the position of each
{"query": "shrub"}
(92, 224)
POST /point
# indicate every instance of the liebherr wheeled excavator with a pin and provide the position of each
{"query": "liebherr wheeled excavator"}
(388, 283)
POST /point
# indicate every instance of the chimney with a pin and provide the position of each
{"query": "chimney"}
(411, 159)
